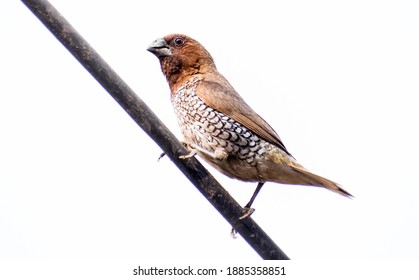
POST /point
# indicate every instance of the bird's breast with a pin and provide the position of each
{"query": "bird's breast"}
(211, 130)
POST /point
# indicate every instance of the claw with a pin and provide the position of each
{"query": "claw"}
(247, 212)
(161, 156)
(233, 233)
(218, 154)
(191, 154)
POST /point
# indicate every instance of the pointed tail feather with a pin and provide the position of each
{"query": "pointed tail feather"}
(312, 179)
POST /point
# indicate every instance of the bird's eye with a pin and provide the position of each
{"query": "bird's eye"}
(179, 41)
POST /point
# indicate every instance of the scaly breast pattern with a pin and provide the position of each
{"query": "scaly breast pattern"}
(211, 129)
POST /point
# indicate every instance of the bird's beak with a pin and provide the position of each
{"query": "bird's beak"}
(160, 48)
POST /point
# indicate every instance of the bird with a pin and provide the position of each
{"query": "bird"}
(220, 127)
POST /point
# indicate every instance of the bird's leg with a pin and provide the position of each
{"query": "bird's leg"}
(247, 208)
(191, 149)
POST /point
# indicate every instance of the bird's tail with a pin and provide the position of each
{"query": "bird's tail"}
(312, 179)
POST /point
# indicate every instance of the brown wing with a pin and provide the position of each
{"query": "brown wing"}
(217, 93)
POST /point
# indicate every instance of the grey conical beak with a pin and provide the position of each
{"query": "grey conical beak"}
(160, 48)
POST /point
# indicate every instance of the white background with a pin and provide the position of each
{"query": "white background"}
(338, 80)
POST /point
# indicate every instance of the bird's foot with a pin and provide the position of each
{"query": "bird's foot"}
(191, 149)
(218, 154)
(247, 211)
(192, 153)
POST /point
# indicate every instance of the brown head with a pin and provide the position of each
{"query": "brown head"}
(181, 57)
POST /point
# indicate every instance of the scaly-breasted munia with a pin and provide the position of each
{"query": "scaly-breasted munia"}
(220, 127)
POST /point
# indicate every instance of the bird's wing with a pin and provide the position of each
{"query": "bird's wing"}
(220, 95)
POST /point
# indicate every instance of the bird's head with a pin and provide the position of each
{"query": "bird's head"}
(181, 56)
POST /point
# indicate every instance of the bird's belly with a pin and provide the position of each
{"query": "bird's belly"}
(234, 167)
